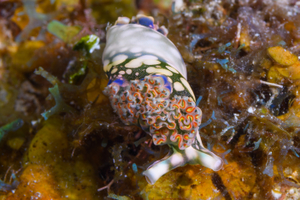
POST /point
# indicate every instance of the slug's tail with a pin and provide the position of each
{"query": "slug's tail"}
(195, 154)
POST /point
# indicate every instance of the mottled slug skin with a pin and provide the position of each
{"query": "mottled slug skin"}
(147, 84)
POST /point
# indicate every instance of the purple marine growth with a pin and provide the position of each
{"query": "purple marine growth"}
(148, 87)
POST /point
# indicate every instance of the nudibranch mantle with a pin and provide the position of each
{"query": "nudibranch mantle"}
(131, 41)
(148, 87)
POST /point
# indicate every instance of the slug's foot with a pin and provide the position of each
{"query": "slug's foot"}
(195, 154)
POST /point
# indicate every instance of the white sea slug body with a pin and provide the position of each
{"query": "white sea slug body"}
(148, 88)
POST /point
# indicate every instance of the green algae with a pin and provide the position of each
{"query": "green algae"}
(60, 105)
(87, 44)
(63, 32)
(13, 126)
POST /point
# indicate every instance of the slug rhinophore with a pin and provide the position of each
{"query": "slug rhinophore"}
(148, 87)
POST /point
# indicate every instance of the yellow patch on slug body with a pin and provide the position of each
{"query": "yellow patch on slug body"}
(135, 63)
(187, 85)
(178, 86)
(114, 70)
(151, 62)
(120, 58)
(106, 68)
(153, 70)
(172, 69)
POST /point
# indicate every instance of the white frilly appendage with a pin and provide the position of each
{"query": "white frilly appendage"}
(195, 154)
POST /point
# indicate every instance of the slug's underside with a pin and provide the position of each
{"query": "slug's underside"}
(147, 87)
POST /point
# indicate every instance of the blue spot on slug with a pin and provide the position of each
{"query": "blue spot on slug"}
(146, 22)
(119, 81)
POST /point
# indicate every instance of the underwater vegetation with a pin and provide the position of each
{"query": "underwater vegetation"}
(60, 137)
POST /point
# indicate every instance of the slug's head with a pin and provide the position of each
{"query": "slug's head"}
(143, 20)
